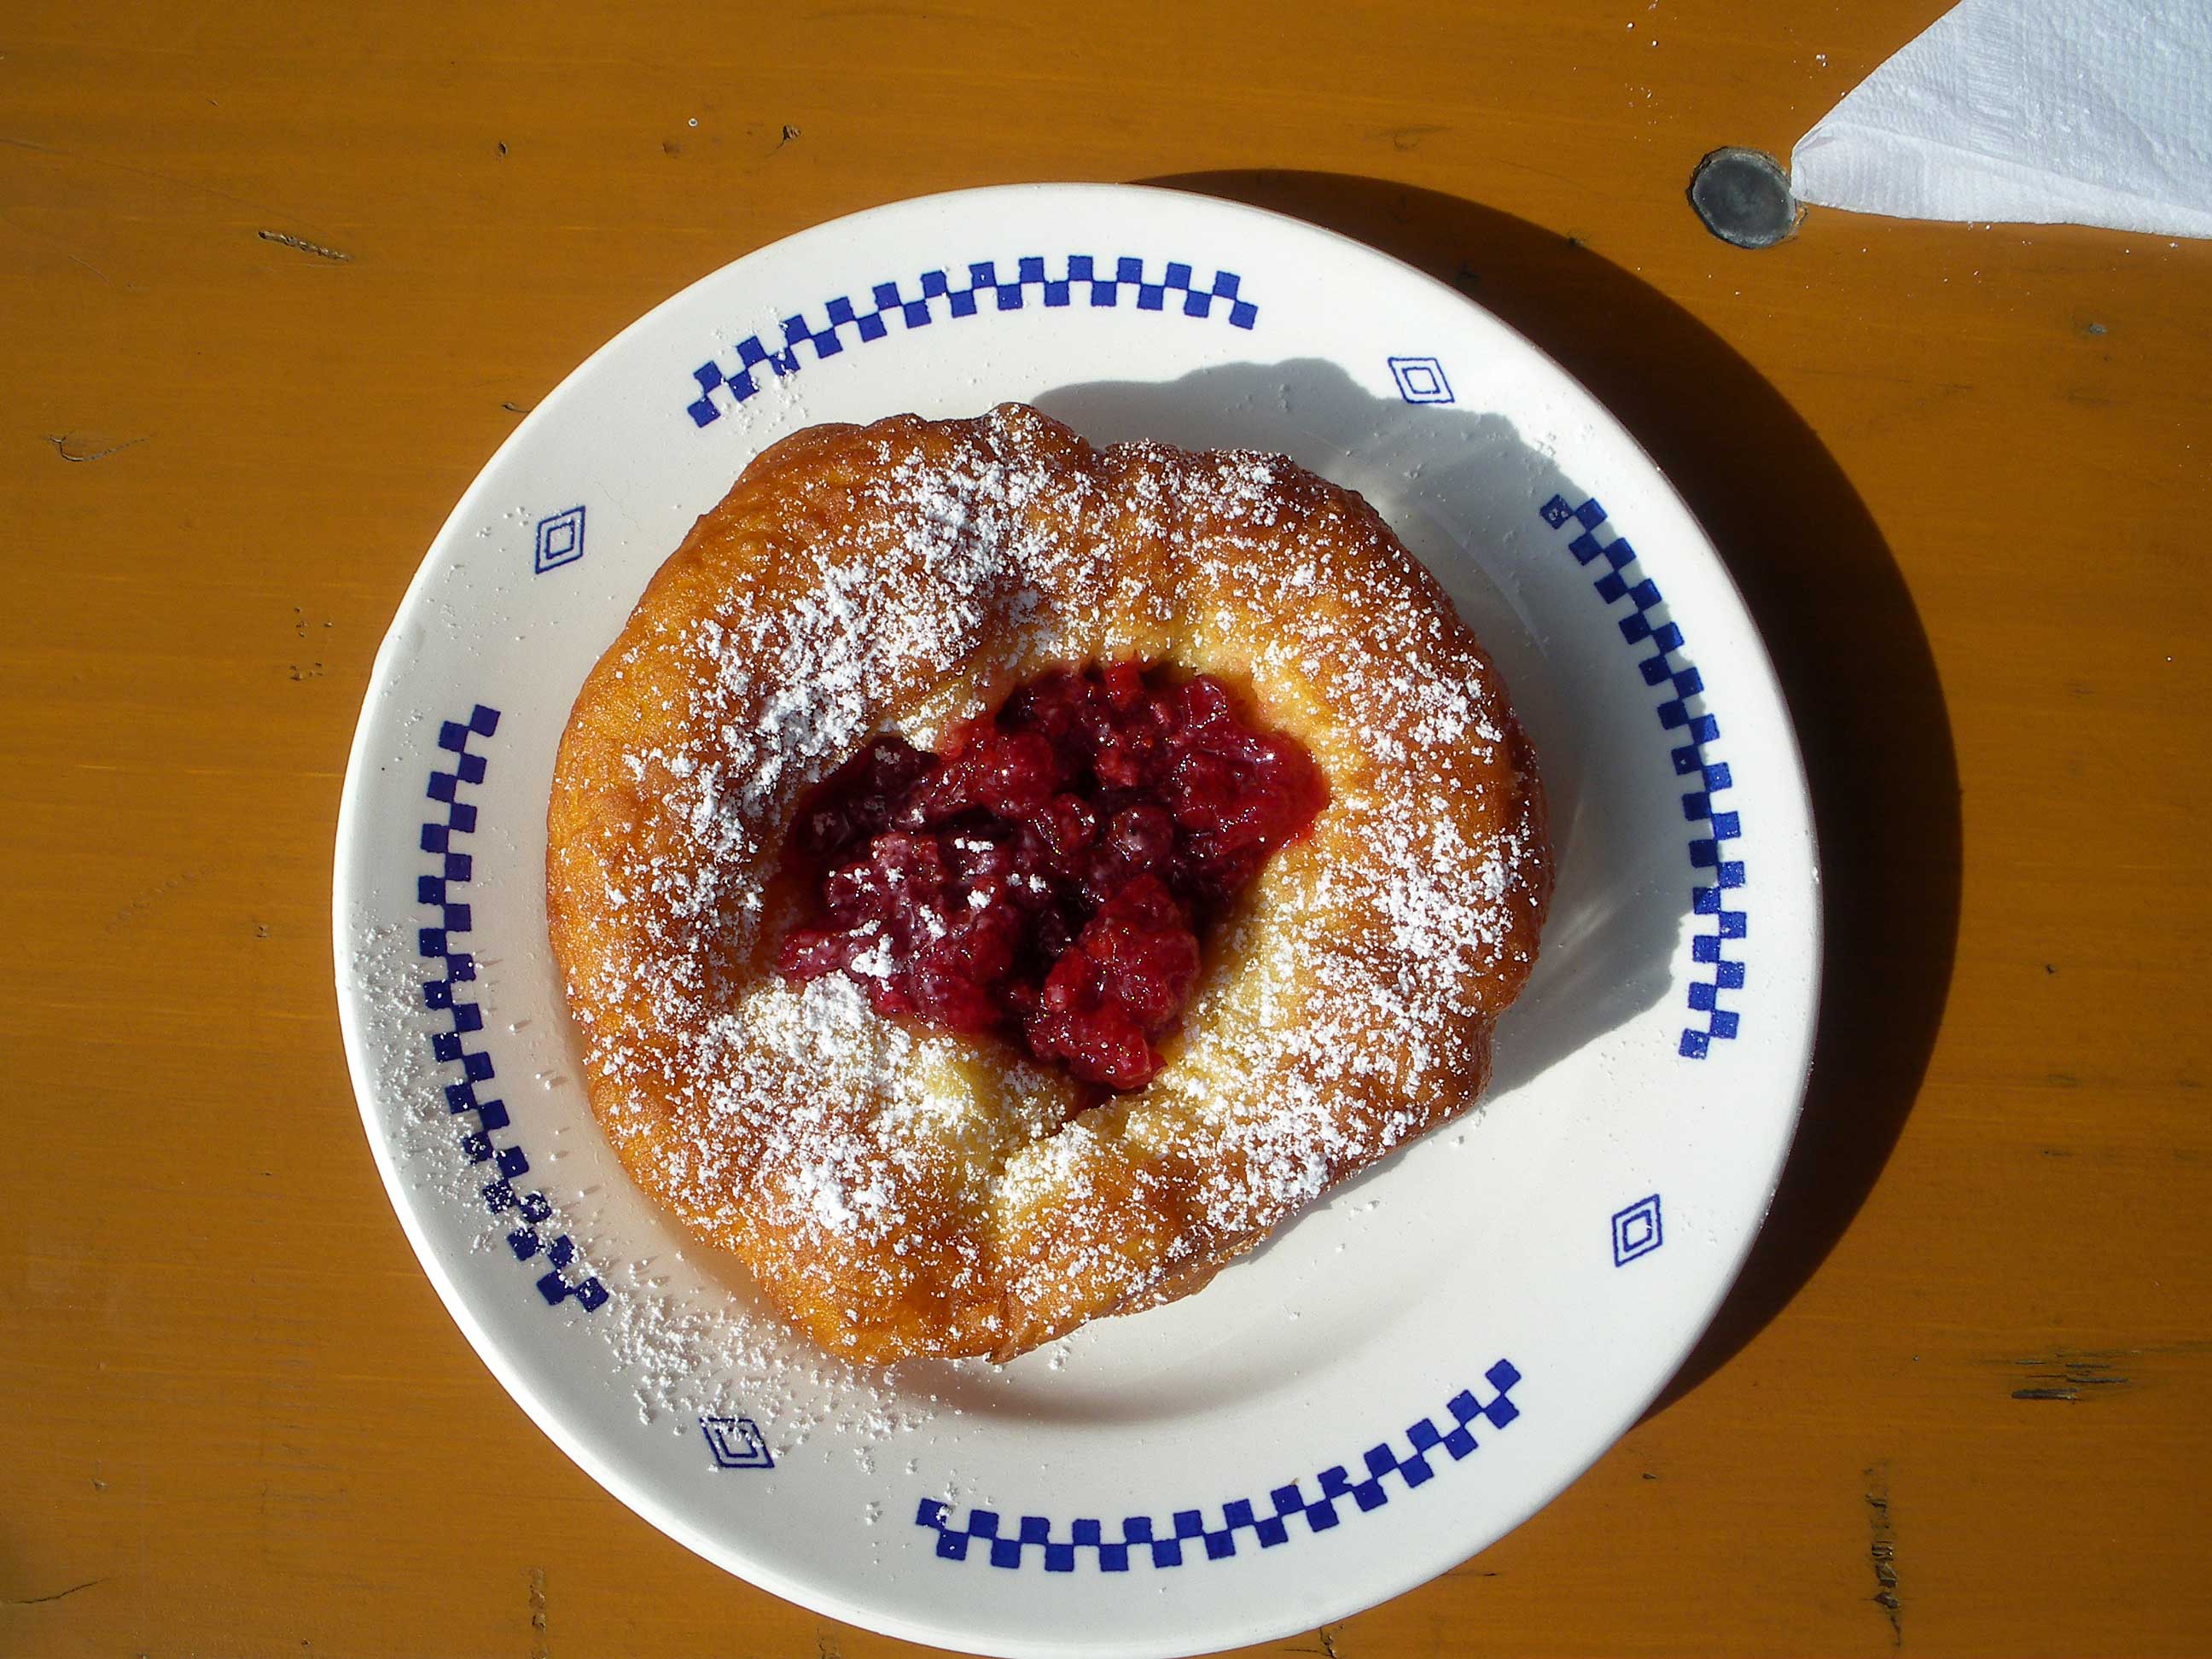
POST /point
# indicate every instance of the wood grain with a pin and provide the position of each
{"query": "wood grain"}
(276, 280)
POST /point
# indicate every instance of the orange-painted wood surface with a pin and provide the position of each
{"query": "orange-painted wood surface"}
(275, 280)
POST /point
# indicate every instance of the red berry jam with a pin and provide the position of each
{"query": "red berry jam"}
(1048, 875)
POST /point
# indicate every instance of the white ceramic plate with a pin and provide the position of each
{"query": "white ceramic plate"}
(1405, 1372)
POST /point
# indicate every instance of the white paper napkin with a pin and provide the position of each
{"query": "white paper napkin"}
(2037, 111)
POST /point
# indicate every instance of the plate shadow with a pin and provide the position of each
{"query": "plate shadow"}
(1847, 644)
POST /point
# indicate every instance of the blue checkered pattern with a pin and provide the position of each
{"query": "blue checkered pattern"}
(444, 891)
(1716, 895)
(938, 295)
(1195, 1534)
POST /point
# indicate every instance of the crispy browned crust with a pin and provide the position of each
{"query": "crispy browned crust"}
(1347, 1009)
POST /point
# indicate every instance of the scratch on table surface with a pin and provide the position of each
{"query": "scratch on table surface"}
(37, 1601)
(1925, 400)
(152, 896)
(538, 1648)
(1405, 138)
(60, 440)
(303, 245)
(57, 242)
(2076, 1374)
(1882, 1551)
(2066, 1373)
(142, 173)
(825, 1643)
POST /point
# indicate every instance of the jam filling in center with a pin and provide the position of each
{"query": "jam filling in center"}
(1047, 878)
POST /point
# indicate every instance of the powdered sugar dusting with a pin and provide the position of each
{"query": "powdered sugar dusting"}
(689, 1344)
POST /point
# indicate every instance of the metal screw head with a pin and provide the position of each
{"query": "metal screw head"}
(1743, 197)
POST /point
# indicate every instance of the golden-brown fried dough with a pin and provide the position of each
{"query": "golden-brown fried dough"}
(899, 1191)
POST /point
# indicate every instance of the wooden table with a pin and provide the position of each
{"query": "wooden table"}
(275, 281)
